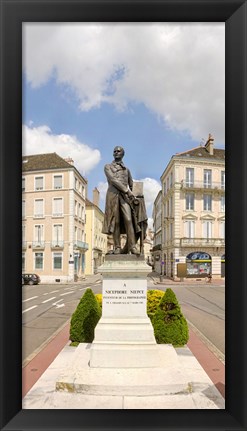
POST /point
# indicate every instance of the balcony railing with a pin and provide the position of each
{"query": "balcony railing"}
(202, 242)
(57, 244)
(202, 185)
(81, 245)
(38, 244)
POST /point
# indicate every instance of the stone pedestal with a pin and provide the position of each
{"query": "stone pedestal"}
(124, 336)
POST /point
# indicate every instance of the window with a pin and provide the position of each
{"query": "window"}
(171, 179)
(170, 207)
(38, 233)
(222, 230)
(23, 261)
(223, 180)
(57, 207)
(222, 203)
(23, 209)
(76, 209)
(23, 232)
(207, 178)
(164, 188)
(58, 179)
(23, 184)
(76, 233)
(207, 202)
(190, 197)
(171, 230)
(57, 233)
(207, 229)
(189, 229)
(189, 177)
(39, 183)
(39, 208)
(76, 183)
(164, 234)
(38, 260)
(57, 260)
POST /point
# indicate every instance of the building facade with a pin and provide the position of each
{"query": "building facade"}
(157, 233)
(96, 239)
(193, 214)
(53, 218)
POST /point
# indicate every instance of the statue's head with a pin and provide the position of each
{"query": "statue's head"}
(118, 152)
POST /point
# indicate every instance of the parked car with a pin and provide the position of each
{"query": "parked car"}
(31, 279)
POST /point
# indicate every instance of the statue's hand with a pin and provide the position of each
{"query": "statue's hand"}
(130, 194)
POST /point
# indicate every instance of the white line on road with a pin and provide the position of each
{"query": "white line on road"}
(83, 288)
(55, 303)
(54, 291)
(47, 300)
(66, 293)
(29, 299)
(34, 306)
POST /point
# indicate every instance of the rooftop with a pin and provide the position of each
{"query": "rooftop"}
(43, 162)
(48, 161)
(202, 152)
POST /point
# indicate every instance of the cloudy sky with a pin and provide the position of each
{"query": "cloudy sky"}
(156, 89)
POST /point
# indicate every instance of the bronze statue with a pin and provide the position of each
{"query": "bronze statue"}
(125, 213)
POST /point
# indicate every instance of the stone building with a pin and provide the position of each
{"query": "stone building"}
(193, 213)
(53, 218)
(96, 239)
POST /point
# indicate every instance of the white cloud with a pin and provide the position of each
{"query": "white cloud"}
(40, 140)
(175, 69)
(151, 188)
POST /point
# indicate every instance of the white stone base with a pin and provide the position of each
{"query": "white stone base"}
(124, 343)
(168, 378)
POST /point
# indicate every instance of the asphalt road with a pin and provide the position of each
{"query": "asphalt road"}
(47, 308)
(204, 308)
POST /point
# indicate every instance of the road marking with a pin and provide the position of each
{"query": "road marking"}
(83, 288)
(34, 306)
(29, 299)
(58, 305)
(47, 300)
(47, 293)
(54, 291)
(66, 293)
(69, 288)
(55, 303)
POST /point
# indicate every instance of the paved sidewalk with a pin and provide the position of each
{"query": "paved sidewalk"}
(157, 279)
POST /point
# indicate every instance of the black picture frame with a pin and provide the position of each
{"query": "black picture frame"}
(13, 14)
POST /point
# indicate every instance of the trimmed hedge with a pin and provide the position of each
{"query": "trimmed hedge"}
(84, 319)
(170, 326)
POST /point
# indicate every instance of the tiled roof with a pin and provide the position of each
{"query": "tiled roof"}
(39, 162)
(218, 154)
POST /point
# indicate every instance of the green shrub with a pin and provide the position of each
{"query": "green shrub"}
(85, 318)
(153, 299)
(170, 326)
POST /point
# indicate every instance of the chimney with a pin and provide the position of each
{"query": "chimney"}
(69, 160)
(210, 145)
(96, 196)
